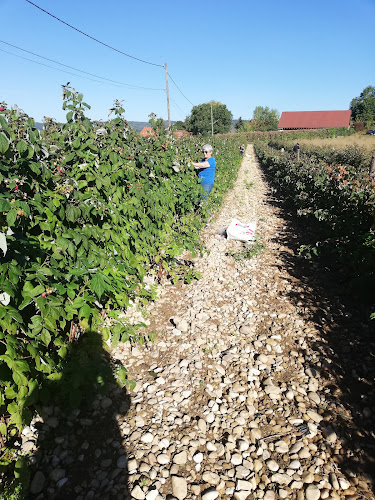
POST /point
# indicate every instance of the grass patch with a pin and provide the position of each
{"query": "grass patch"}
(251, 250)
(248, 184)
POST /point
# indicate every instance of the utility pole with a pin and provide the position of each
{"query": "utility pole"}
(167, 89)
(212, 122)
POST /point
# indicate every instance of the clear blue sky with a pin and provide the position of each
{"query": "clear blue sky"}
(289, 55)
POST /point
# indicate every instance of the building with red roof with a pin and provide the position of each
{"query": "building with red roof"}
(294, 120)
(146, 132)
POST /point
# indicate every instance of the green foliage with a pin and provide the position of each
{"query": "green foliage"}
(200, 121)
(264, 119)
(363, 107)
(179, 125)
(252, 250)
(241, 125)
(86, 210)
(333, 191)
(12, 493)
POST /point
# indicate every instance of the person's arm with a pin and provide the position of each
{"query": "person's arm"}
(203, 164)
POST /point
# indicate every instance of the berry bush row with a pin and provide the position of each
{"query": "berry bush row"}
(86, 211)
(335, 194)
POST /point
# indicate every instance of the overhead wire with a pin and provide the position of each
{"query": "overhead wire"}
(93, 38)
(76, 69)
(177, 106)
(108, 46)
(57, 69)
(169, 75)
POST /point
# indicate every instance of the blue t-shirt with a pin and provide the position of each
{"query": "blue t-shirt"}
(208, 174)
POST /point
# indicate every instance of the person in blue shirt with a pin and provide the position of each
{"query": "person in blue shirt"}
(206, 169)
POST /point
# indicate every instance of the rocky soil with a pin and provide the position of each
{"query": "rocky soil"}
(256, 388)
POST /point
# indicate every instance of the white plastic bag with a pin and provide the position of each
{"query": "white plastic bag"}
(240, 231)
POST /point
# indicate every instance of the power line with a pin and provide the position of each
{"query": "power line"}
(75, 69)
(92, 38)
(177, 106)
(64, 70)
(177, 88)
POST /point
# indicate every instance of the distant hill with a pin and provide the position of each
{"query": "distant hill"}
(138, 126)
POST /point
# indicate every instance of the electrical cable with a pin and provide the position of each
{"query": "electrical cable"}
(64, 70)
(92, 38)
(76, 69)
(169, 75)
(175, 103)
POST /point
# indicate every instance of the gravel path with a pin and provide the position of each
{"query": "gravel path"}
(233, 400)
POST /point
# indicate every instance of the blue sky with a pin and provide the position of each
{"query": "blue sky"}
(289, 55)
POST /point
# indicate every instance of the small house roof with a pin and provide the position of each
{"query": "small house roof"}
(146, 131)
(314, 119)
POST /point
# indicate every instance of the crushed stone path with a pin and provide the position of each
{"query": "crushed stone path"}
(231, 401)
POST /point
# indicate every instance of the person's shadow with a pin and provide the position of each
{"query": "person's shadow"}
(81, 453)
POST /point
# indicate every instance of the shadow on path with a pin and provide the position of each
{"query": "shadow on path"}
(81, 452)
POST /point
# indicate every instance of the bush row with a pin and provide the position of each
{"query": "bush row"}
(336, 199)
(86, 211)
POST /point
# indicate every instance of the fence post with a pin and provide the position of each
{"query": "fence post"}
(372, 167)
(298, 154)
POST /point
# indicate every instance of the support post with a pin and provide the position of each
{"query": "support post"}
(372, 167)
(212, 122)
(167, 90)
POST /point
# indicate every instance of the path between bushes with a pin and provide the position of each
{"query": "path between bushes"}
(233, 400)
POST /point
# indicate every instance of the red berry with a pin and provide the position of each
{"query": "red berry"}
(44, 294)
(2, 108)
(16, 188)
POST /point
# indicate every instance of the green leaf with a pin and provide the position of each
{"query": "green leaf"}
(22, 392)
(63, 351)
(85, 311)
(98, 285)
(13, 408)
(78, 302)
(37, 291)
(45, 336)
(26, 301)
(4, 143)
(11, 217)
(10, 393)
(21, 146)
(4, 205)
(3, 123)
(106, 333)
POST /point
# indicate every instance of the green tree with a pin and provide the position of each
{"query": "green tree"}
(264, 119)
(200, 122)
(241, 125)
(363, 107)
(179, 125)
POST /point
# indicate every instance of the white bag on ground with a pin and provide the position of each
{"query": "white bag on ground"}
(240, 231)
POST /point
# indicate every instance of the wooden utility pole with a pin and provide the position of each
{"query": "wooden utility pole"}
(212, 122)
(167, 89)
(372, 167)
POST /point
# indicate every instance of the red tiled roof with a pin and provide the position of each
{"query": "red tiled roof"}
(314, 119)
(146, 131)
(181, 133)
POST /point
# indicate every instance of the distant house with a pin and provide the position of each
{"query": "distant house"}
(147, 131)
(294, 120)
(181, 133)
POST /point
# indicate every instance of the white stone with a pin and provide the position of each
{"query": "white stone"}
(312, 492)
(147, 438)
(179, 487)
(163, 459)
(137, 493)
